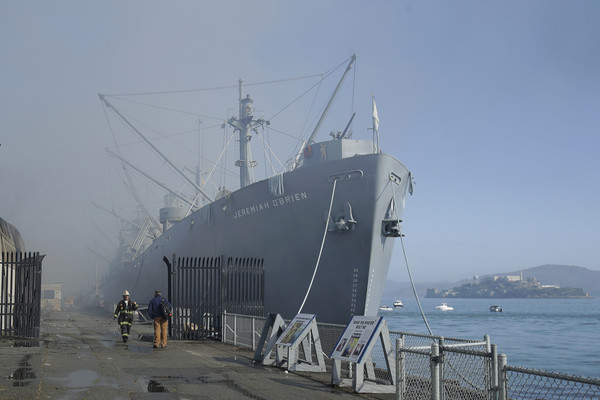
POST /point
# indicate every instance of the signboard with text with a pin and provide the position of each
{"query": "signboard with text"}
(295, 329)
(359, 332)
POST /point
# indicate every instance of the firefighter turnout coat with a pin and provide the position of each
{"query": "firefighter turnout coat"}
(125, 312)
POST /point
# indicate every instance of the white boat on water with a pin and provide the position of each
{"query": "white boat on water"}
(444, 307)
(385, 308)
(398, 304)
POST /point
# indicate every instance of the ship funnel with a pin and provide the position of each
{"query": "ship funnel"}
(172, 212)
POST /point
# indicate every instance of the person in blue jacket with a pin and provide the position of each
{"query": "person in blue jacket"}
(161, 324)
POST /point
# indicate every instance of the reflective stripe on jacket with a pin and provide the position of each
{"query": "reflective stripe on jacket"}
(125, 313)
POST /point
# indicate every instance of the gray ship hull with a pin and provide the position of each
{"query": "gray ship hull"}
(286, 231)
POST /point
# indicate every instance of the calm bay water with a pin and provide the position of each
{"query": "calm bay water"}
(548, 334)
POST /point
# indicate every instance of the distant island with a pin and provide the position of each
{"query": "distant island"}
(507, 286)
(549, 275)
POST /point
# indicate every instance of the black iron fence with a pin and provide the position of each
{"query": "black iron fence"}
(202, 288)
(20, 294)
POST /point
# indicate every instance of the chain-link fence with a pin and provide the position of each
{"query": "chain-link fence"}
(435, 367)
(461, 370)
(468, 373)
(529, 384)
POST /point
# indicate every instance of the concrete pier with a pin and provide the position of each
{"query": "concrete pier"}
(80, 355)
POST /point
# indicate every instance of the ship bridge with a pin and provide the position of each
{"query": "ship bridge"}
(335, 149)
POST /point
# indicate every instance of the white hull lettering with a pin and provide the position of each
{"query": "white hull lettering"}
(242, 212)
(283, 200)
(265, 205)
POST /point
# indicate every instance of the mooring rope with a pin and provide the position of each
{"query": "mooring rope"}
(322, 245)
(412, 283)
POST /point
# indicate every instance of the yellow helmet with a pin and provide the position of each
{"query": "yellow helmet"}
(126, 293)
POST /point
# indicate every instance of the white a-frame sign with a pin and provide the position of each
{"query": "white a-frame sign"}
(299, 346)
(355, 347)
(274, 325)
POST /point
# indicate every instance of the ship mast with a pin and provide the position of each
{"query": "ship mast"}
(244, 124)
(311, 140)
(331, 99)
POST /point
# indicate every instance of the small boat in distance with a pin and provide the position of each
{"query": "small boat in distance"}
(495, 309)
(385, 308)
(444, 307)
(398, 304)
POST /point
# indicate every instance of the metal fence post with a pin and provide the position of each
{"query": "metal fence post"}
(442, 373)
(235, 330)
(399, 368)
(253, 335)
(502, 381)
(224, 327)
(494, 371)
(434, 364)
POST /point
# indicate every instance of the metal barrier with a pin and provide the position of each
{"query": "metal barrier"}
(242, 330)
(460, 370)
(438, 368)
(445, 372)
(526, 383)
(245, 330)
(202, 288)
(20, 294)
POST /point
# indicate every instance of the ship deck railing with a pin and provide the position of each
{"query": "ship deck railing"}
(437, 367)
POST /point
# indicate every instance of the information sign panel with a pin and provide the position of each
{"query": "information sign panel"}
(359, 332)
(355, 347)
(295, 329)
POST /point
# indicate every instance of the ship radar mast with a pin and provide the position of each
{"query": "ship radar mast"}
(244, 124)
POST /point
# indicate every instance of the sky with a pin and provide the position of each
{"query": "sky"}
(493, 106)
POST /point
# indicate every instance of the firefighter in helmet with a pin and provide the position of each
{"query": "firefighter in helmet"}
(124, 313)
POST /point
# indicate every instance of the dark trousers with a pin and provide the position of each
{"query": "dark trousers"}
(125, 329)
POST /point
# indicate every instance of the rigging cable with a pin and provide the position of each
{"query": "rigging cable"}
(217, 161)
(132, 192)
(300, 141)
(270, 153)
(131, 189)
(322, 244)
(412, 283)
(318, 83)
(109, 170)
(324, 76)
(165, 108)
(214, 88)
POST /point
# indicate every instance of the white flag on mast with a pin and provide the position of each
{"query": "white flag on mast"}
(375, 117)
